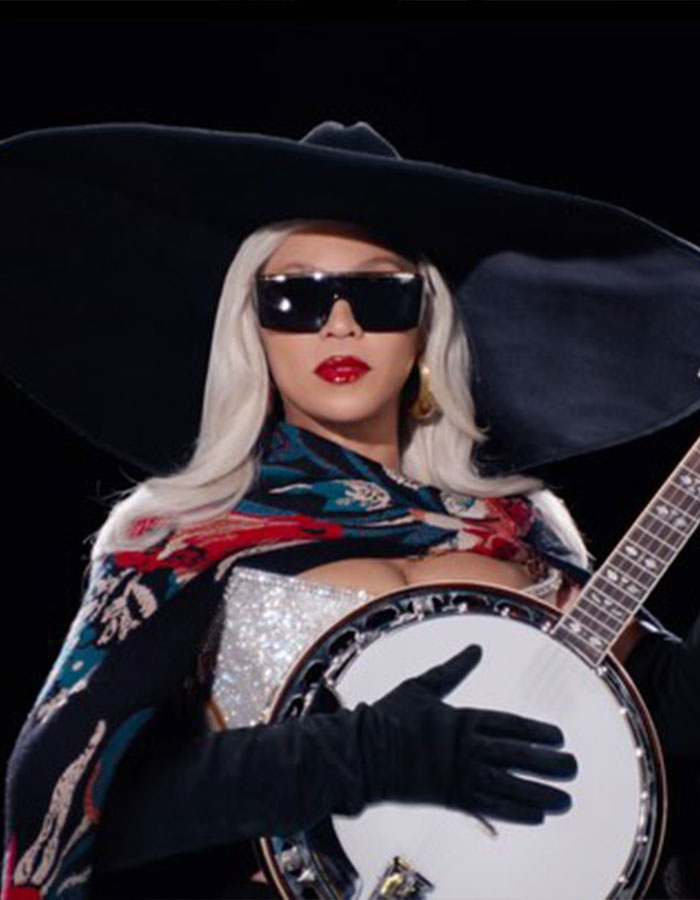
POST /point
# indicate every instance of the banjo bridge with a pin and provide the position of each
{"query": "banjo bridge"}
(400, 879)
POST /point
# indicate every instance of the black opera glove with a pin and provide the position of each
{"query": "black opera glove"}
(174, 796)
(459, 757)
(666, 670)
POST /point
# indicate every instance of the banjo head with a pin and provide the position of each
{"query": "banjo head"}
(606, 845)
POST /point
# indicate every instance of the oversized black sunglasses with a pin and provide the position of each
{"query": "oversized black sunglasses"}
(381, 301)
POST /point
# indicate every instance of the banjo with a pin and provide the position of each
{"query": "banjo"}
(537, 662)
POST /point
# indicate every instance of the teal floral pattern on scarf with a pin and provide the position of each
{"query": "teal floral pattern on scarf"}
(144, 614)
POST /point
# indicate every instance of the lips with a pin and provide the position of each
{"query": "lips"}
(337, 363)
(337, 368)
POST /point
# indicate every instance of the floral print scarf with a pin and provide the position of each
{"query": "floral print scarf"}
(144, 615)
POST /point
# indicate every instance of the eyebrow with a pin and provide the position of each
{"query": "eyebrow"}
(366, 262)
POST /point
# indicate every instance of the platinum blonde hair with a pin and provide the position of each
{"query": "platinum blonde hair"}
(226, 460)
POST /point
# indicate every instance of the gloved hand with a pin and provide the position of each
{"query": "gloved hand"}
(459, 757)
(174, 797)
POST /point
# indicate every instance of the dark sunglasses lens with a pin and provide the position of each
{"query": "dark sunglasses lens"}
(295, 304)
(303, 303)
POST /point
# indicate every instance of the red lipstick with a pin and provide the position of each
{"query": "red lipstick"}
(341, 369)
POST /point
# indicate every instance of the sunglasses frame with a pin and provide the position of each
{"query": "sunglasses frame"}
(341, 289)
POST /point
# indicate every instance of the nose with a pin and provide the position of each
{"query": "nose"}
(341, 320)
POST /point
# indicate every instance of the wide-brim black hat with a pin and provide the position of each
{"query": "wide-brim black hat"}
(583, 318)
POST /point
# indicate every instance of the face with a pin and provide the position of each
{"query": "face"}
(308, 399)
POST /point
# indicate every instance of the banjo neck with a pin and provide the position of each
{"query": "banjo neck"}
(622, 583)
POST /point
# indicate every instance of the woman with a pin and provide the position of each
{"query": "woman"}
(205, 519)
(364, 416)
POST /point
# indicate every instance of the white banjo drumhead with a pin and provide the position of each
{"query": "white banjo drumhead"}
(580, 853)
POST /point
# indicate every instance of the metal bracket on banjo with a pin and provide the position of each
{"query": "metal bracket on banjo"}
(400, 879)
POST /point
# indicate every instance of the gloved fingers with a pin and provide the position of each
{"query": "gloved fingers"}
(508, 753)
(520, 790)
(495, 723)
(500, 808)
(441, 679)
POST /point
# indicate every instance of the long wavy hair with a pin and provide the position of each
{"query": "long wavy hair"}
(226, 459)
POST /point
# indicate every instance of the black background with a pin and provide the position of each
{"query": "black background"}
(594, 98)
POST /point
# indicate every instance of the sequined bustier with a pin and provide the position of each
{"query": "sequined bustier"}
(266, 622)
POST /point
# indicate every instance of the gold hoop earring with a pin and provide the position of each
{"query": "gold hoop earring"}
(425, 405)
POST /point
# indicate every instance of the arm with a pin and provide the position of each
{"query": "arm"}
(666, 670)
(176, 794)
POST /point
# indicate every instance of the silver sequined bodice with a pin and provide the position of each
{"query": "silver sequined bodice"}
(268, 621)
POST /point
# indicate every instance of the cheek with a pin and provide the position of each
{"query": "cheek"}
(286, 357)
(399, 357)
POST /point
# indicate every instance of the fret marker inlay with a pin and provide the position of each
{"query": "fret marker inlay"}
(614, 594)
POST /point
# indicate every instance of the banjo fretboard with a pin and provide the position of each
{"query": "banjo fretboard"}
(622, 583)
